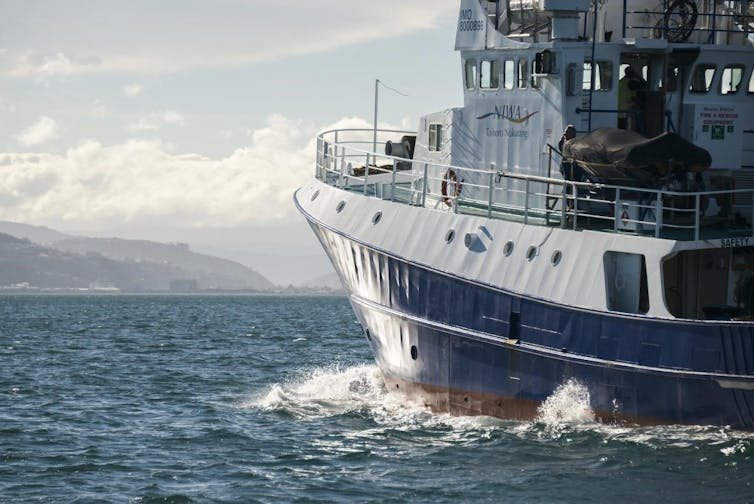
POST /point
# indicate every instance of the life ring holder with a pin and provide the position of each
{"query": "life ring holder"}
(450, 176)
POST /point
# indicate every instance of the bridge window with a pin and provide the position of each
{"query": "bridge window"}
(603, 76)
(435, 137)
(731, 79)
(470, 74)
(489, 75)
(522, 72)
(509, 74)
(701, 80)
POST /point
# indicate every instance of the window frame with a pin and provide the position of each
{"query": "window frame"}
(494, 74)
(731, 67)
(604, 74)
(523, 73)
(643, 301)
(434, 138)
(707, 67)
(509, 73)
(470, 64)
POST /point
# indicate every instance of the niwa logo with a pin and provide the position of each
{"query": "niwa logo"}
(511, 113)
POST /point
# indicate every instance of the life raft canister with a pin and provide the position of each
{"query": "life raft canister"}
(450, 177)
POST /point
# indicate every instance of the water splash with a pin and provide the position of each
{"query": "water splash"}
(568, 404)
(336, 390)
(323, 392)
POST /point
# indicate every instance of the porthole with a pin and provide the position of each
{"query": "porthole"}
(531, 253)
(376, 218)
(414, 352)
(556, 257)
(449, 236)
(340, 206)
(315, 194)
(508, 249)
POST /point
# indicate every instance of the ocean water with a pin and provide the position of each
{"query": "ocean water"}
(276, 399)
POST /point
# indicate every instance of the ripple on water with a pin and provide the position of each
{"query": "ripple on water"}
(197, 399)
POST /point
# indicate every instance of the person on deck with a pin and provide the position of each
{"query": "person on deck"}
(631, 88)
(566, 167)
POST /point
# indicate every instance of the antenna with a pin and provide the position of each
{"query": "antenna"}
(377, 83)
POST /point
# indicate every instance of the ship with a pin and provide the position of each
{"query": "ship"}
(586, 216)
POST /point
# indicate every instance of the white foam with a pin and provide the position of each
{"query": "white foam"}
(340, 390)
(325, 392)
(568, 404)
(337, 390)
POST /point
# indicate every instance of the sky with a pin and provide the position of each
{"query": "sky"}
(195, 121)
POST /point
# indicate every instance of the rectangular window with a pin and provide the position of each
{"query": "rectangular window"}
(674, 72)
(522, 73)
(603, 76)
(751, 82)
(731, 79)
(489, 75)
(509, 74)
(435, 137)
(626, 282)
(701, 79)
(470, 74)
(572, 79)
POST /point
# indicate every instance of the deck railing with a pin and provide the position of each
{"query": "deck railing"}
(697, 21)
(346, 159)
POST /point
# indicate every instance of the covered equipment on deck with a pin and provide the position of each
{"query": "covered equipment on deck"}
(622, 157)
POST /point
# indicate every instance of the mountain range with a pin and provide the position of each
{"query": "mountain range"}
(41, 257)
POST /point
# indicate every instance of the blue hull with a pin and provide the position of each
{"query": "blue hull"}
(472, 348)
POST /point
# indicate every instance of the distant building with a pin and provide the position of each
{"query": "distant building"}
(183, 285)
(103, 287)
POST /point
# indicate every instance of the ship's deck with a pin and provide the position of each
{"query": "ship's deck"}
(683, 215)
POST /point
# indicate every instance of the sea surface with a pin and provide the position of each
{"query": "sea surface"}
(277, 399)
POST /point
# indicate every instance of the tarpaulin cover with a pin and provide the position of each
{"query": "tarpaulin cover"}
(623, 149)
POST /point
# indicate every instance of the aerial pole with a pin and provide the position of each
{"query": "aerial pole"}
(594, 63)
(376, 102)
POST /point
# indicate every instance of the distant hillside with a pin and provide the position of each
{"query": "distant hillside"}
(22, 261)
(209, 272)
(44, 257)
(38, 234)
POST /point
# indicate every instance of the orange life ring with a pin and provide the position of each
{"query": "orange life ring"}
(450, 176)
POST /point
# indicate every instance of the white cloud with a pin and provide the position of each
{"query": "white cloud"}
(45, 129)
(156, 120)
(206, 34)
(133, 89)
(57, 65)
(140, 183)
(46, 66)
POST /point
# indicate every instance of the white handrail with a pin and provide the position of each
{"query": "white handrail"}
(577, 200)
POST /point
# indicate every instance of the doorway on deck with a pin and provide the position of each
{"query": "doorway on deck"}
(641, 93)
